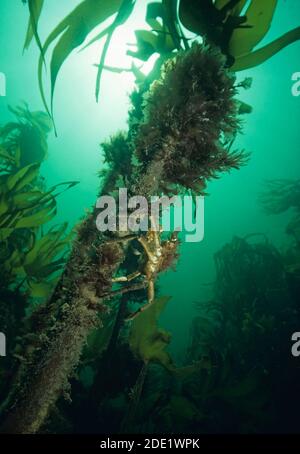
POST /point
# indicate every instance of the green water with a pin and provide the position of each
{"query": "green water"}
(271, 134)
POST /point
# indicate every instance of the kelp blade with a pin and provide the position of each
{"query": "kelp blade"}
(261, 55)
(259, 18)
(35, 9)
(73, 29)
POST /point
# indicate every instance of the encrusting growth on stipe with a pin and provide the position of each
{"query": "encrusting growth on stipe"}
(190, 118)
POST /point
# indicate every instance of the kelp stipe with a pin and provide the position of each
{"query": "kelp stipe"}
(191, 113)
(73, 310)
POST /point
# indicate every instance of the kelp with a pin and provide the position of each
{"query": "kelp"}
(246, 311)
(172, 117)
(147, 341)
(215, 22)
(75, 28)
(72, 31)
(75, 306)
(136, 71)
(164, 37)
(27, 254)
(118, 157)
(31, 257)
(280, 195)
(17, 206)
(123, 14)
(22, 208)
(259, 56)
(191, 105)
(24, 141)
(35, 9)
(221, 24)
(259, 18)
(46, 259)
(235, 9)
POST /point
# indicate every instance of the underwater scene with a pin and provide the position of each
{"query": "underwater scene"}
(149, 217)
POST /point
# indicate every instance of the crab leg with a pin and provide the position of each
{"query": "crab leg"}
(128, 278)
(146, 306)
(144, 243)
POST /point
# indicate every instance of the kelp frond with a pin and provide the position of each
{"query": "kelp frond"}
(280, 195)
